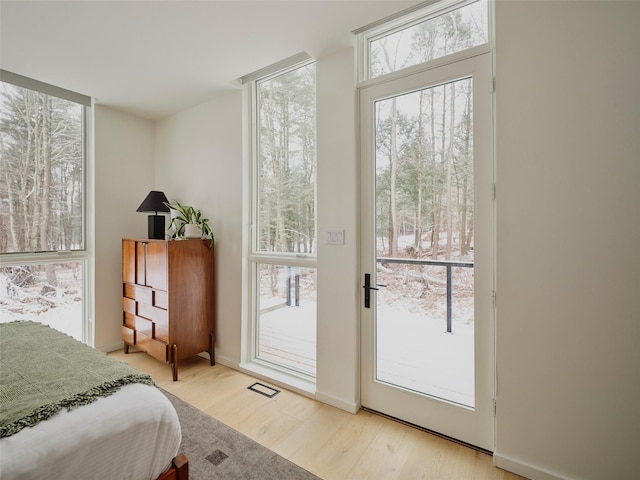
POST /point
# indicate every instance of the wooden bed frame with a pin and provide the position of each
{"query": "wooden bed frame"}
(179, 469)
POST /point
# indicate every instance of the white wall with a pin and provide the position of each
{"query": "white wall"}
(338, 381)
(568, 256)
(124, 164)
(199, 163)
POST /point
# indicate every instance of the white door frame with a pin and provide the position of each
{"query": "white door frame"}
(474, 426)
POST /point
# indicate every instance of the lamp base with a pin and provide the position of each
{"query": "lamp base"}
(156, 227)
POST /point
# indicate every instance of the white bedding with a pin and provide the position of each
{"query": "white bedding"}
(132, 434)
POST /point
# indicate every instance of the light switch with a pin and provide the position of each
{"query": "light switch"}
(335, 237)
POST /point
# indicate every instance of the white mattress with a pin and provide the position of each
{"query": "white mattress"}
(132, 434)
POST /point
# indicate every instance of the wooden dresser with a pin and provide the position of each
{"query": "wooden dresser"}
(168, 298)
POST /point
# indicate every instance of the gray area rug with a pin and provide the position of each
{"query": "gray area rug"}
(216, 451)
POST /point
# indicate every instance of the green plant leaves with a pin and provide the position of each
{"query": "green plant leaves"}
(186, 214)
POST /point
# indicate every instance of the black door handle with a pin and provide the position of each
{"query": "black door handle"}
(367, 289)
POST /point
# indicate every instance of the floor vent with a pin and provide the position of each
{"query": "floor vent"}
(217, 457)
(263, 389)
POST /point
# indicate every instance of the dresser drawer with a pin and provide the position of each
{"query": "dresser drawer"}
(152, 313)
(160, 299)
(156, 349)
(138, 293)
(161, 332)
(129, 291)
(129, 320)
(129, 305)
(144, 326)
(128, 335)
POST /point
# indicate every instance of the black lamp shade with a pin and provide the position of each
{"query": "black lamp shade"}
(155, 202)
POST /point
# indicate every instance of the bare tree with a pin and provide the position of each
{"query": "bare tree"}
(42, 172)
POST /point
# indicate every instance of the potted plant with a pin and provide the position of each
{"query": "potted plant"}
(189, 222)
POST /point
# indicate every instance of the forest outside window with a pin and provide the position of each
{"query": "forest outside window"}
(442, 29)
(284, 217)
(286, 162)
(42, 194)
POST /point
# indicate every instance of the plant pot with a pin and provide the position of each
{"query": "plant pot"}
(192, 231)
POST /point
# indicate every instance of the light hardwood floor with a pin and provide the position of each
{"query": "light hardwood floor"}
(327, 441)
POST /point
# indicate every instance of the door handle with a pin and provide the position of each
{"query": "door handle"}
(367, 289)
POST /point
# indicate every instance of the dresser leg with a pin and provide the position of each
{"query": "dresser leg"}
(212, 348)
(174, 365)
(126, 347)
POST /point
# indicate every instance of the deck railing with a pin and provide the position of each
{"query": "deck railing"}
(433, 263)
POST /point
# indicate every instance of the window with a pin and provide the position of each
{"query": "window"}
(438, 31)
(286, 162)
(284, 218)
(42, 194)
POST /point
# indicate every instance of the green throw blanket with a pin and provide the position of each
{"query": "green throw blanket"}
(43, 371)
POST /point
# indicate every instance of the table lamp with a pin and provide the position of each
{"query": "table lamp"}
(155, 202)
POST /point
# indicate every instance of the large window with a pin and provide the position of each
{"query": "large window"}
(42, 197)
(284, 219)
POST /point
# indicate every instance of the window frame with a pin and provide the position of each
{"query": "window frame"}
(84, 256)
(254, 256)
(406, 19)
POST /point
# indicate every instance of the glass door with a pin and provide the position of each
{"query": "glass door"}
(427, 250)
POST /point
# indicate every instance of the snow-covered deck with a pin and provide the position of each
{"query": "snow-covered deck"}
(414, 349)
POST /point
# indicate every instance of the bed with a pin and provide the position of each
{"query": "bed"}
(69, 411)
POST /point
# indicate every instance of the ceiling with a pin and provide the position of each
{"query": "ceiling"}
(155, 58)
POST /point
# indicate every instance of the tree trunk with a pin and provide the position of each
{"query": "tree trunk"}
(450, 149)
(435, 202)
(10, 242)
(278, 241)
(463, 218)
(393, 158)
(420, 160)
(449, 162)
(466, 174)
(44, 202)
(393, 220)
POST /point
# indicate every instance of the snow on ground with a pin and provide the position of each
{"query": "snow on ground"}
(61, 309)
(414, 350)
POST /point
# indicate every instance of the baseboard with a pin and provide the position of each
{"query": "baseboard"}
(112, 348)
(221, 360)
(350, 407)
(289, 382)
(524, 469)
